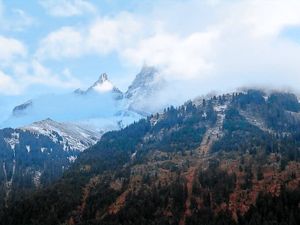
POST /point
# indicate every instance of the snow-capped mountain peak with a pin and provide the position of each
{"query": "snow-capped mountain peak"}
(144, 90)
(102, 84)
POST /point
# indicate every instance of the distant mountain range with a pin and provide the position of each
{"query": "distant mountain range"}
(50, 131)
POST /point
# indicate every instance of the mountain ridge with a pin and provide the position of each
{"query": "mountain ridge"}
(73, 136)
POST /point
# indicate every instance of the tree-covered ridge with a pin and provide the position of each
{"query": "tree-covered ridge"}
(197, 164)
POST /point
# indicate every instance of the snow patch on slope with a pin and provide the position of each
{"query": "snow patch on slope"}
(37, 178)
(71, 136)
(72, 158)
(28, 148)
(13, 140)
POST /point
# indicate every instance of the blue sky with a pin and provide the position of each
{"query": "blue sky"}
(54, 46)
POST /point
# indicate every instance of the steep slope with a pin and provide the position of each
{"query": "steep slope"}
(197, 164)
(71, 136)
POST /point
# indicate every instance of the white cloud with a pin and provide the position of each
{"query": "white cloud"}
(102, 36)
(8, 85)
(241, 44)
(67, 8)
(14, 19)
(11, 48)
(268, 18)
(65, 42)
(26, 75)
(178, 57)
(110, 34)
(20, 20)
(42, 75)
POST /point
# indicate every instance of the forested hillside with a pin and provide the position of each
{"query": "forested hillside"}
(30, 161)
(231, 159)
